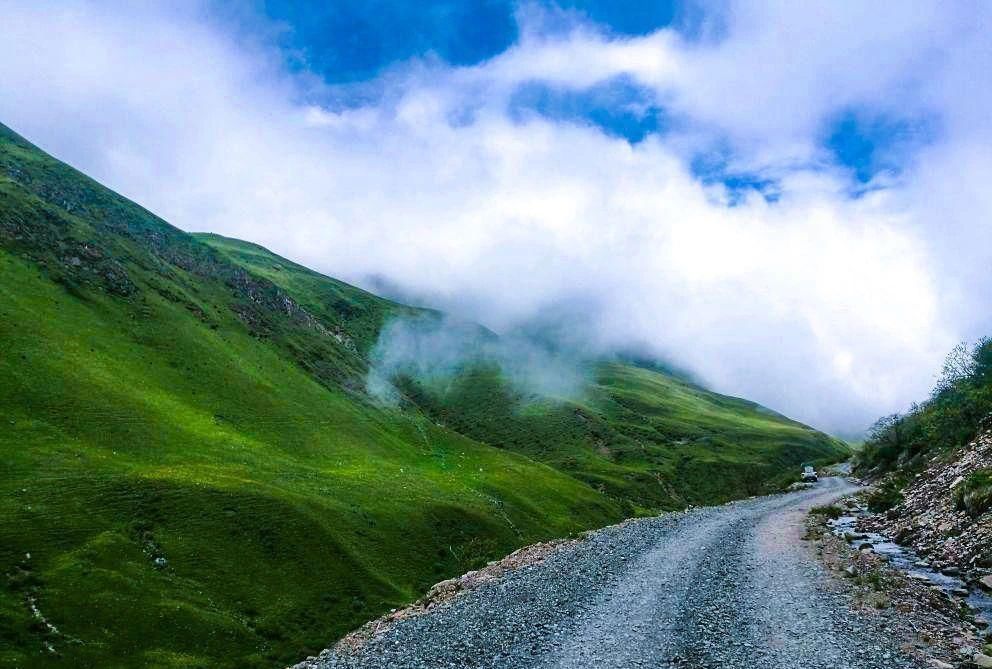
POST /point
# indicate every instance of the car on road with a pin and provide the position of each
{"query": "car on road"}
(809, 475)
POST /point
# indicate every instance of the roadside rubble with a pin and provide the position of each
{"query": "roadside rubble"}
(445, 591)
(925, 608)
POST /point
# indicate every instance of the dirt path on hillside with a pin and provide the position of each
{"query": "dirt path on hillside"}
(728, 586)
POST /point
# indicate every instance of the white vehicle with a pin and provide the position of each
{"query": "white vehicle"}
(809, 475)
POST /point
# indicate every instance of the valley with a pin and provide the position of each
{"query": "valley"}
(196, 475)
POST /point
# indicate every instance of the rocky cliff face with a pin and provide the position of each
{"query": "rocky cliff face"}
(943, 513)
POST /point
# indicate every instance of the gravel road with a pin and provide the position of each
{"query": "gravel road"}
(728, 586)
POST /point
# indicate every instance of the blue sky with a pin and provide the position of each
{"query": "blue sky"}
(789, 200)
(355, 41)
(617, 107)
(871, 144)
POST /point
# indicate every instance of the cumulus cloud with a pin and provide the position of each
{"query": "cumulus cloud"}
(832, 301)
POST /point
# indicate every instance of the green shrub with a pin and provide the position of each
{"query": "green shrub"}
(974, 495)
(831, 511)
(886, 496)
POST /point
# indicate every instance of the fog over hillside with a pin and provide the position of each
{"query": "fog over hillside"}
(789, 200)
(435, 350)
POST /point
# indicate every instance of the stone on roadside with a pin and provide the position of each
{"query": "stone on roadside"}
(903, 536)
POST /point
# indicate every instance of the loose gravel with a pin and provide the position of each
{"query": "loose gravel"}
(728, 586)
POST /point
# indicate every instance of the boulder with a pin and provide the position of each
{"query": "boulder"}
(903, 536)
(982, 661)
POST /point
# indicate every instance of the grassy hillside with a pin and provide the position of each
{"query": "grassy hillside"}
(647, 439)
(193, 474)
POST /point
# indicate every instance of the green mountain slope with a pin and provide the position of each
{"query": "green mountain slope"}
(193, 474)
(649, 439)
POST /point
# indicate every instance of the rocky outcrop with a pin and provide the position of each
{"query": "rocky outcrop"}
(260, 298)
(87, 263)
(929, 517)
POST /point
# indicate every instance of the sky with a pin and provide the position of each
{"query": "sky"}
(788, 200)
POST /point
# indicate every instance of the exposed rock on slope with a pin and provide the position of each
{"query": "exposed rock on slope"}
(935, 517)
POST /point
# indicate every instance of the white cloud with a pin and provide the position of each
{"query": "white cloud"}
(828, 307)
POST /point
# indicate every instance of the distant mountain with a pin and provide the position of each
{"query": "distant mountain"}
(196, 474)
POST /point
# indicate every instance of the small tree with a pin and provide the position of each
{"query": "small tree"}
(887, 437)
(959, 366)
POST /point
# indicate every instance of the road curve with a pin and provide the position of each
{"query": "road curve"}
(728, 586)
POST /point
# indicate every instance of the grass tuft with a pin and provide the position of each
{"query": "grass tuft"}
(974, 494)
(830, 511)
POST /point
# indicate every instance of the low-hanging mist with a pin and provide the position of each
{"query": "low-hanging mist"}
(433, 350)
